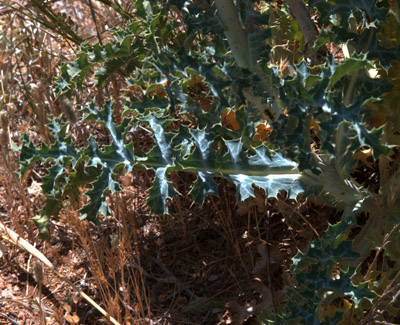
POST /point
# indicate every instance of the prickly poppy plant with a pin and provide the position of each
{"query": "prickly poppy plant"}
(235, 90)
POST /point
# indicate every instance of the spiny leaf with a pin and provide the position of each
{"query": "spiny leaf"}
(73, 74)
(371, 9)
(348, 67)
(161, 190)
(97, 197)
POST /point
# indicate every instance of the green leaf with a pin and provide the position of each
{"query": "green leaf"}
(97, 196)
(313, 272)
(79, 178)
(63, 154)
(160, 192)
(42, 221)
(205, 158)
(348, 67)
(346, 9)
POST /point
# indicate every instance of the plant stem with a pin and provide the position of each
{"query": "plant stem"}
(234, 32)
(299, 11)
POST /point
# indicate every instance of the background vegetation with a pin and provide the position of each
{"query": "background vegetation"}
(199, 162)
